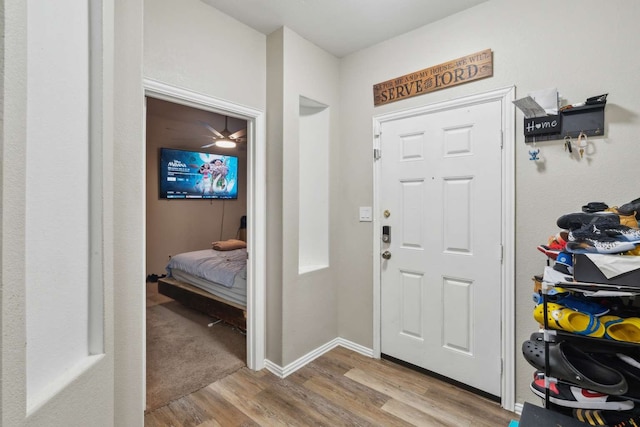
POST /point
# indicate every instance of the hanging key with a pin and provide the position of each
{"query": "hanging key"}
(582, 143)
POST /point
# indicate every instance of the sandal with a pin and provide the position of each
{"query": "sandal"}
(559, 317)
(620, 329)
(569, 363)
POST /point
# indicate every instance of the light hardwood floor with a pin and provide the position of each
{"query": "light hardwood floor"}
(340, 388)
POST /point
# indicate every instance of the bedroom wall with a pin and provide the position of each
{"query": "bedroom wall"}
(188, 44)
(175, 226)
(308, 301)
(582, 47)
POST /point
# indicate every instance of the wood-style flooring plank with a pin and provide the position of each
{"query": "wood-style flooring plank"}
(187, 412)
(340, 388)
(219, 410)
(408, 397)
(297, 403)
(416, 417)
(357, 403)
(231, 391)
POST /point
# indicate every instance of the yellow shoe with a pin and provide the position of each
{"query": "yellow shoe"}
(634, 252)
(566, 319)
(579, 323)
(627, 330)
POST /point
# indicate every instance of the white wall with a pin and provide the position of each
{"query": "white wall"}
(127, 209)
(57, 214)
(308, 301)
(191, 45)
(48, 375)
(313, 186)
(546, 44)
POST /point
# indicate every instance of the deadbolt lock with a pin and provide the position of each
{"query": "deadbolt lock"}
(386, 213)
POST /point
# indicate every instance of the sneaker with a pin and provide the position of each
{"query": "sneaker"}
(597, 417)
(628, 220)
(627, 233)
(631, 208)
(549, 251)
(616, 232)
(564, 263)
(595, 232)
(582, 305)
(573, 302)
(602, 246)
(576, 220)
(555, 245)
(569, 396)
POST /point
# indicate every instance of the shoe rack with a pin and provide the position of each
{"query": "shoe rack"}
(599, 290)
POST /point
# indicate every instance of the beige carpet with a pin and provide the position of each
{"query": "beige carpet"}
(183, 353)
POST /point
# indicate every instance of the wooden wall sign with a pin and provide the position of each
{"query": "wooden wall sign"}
(462, 70)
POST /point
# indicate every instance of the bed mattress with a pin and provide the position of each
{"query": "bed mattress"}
(221, 273)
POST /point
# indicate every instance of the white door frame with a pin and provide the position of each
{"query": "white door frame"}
(256, 203)
(505, 96)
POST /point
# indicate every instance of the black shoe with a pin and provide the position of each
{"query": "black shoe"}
(633, 207)
(573, 221)
(592, 207)
(627, 366)
(605, 232)
(571, 364)
(598, 417)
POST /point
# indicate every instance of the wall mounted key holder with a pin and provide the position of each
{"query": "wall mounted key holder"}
(570, 122)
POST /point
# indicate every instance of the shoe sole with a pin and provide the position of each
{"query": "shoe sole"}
(621, 405)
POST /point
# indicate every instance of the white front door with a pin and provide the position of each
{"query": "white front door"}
(440, 191)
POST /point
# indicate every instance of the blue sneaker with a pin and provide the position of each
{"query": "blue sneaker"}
(566, 299)
(582, 305)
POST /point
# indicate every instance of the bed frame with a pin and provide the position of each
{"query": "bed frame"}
(200, 300)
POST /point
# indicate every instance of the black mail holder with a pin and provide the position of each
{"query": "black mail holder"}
(543, 125)
(588, 119)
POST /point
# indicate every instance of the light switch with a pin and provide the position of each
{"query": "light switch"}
(365, 214)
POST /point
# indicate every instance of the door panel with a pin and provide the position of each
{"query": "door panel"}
(440, 290)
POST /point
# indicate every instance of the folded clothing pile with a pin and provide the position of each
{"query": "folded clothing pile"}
(228, 245)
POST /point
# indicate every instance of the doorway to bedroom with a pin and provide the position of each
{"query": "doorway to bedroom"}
(196, 206)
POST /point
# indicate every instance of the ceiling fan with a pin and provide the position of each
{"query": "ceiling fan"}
(224, 139)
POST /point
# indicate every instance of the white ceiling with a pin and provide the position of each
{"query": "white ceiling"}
(341, 27)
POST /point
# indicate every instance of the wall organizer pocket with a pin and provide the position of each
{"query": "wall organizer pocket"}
(586, 119)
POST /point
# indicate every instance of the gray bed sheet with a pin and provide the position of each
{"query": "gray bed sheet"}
(237, 293)
(221, 273)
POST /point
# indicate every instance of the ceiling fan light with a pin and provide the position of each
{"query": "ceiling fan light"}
(225, 143)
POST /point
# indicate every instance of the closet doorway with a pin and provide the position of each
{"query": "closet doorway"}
(187, 125)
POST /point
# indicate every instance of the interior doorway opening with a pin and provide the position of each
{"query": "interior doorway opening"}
(252, 155)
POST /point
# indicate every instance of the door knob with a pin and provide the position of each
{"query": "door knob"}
(386, 254)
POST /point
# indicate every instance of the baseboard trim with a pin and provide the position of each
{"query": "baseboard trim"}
(289, 369)
(518, 408)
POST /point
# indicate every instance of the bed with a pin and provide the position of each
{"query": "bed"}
(211, 281)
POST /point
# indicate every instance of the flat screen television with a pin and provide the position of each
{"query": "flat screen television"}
(195, 175)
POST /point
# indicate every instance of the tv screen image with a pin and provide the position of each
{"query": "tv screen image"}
(195, 175)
